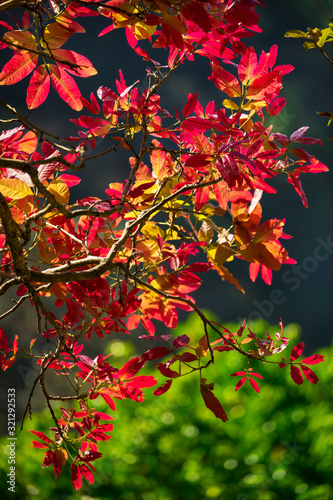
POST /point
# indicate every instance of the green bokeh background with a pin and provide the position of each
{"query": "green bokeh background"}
(276, 444)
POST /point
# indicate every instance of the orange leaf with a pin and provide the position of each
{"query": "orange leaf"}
(55, 36)
(23, 39)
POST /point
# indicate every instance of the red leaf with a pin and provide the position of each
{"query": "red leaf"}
(8, 363)
(15, 345)
(297, 351)
(18, 67)
(70, 180)
(211, 401)
(167, 372)
(131, 368)
(84, 69)
(38, 89)
(225, 81)
(190, 105)
(163, 388)
(155, 353)
(76, 477)
(298, 134)
(294, 180)
(42, 436)
(195, 123)
(276, 105)
(188, 357)
(38, 444)
(59, 459)
(240, 383)
(180, 341)
(142, 381)
(296, 375)
(254, 384)
(313, 360)
(248, 65)
(66, 87)
(254, 270)
(87, 473)
(3, 341)
(309, 374)
(256, 375)
(109, 401)
(201, 198)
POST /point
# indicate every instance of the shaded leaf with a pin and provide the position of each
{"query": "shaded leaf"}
(211, 401)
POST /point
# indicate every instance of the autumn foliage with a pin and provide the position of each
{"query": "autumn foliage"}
(190, 204)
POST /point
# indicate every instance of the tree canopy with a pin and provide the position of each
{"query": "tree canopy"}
(190, 203)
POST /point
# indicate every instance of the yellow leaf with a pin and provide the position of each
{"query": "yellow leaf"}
(206, 212)
(14, 189)
(60, 191)
(253, 106)
(218, 254)
(229, 104)
(142, 31)
(206, 232)
(152, 230)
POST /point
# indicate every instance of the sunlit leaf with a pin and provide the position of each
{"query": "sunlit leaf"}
(14, 189)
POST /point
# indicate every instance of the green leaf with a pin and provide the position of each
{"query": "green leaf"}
(308, 45)
(296, 34)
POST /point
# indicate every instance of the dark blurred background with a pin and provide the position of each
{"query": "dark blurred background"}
(304, 298)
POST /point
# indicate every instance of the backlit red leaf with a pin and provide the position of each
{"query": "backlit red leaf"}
(190, 105)
(131, 368)
(240, 383)
(66, 87)
(277, 105)
(294, 180)
(163, 388)
(84, 67)
(296, 375)
(18, 67)
(142, 381)
(76, 477)
(309, 374)
(225, 81)
(297, 351)
(248, 65)
(254, 384)
(42, 436)
(313, 360)
(38, 89)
